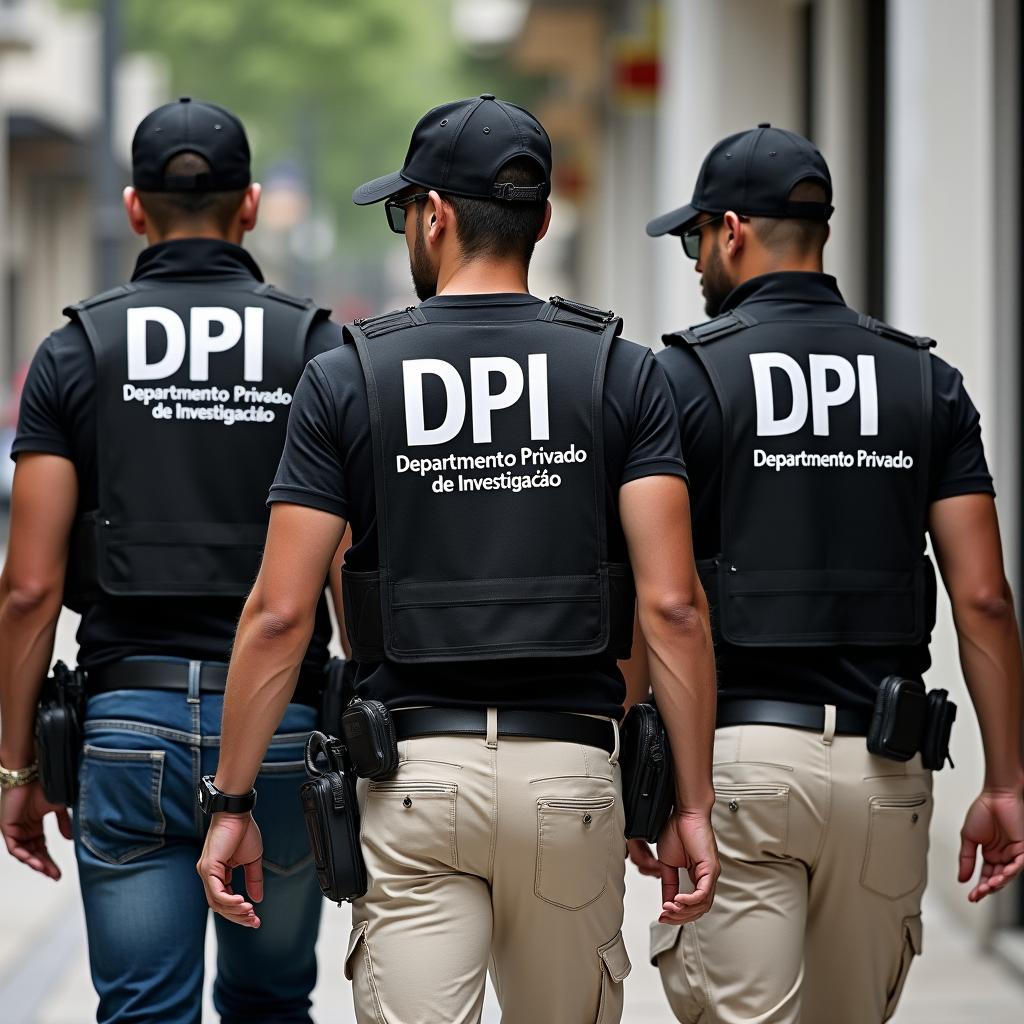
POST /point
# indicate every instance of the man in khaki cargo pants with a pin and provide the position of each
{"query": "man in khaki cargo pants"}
(821, 445)
(489, 555)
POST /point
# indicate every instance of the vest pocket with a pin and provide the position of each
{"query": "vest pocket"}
(119, 814)
(895, 858)
(574, 839)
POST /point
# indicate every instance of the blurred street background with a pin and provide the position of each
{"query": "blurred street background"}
(916, 104)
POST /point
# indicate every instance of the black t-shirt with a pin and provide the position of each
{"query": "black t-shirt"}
(58, 416)
(327, 464)
(847, 675)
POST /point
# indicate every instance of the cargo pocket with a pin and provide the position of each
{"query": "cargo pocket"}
(676, 953)
(751, 819)
(574, 840)
(359, 970)
(278, 813)
(896, 855)
(411, 825)
(615, 966)
(912, 946)
(119, 814)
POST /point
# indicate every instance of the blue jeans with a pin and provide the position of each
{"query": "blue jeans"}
(138, 835)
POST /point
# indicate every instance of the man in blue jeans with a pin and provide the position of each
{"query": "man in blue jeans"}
(149, 432)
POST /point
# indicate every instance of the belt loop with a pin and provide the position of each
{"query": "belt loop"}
(195, 671)
(830, 725)
(492, 728)
(614, 759)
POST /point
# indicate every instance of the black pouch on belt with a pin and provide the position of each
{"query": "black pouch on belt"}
(58, 731)
(937, 730)
(898, 722)
(370, 739)
(648, 778)
(332, 820)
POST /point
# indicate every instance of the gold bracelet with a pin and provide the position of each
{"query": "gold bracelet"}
(10, 778)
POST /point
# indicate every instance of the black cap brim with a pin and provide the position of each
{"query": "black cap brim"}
(380, 188)
(671, 223)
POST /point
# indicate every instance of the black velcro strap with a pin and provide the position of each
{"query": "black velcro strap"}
(787, 713)
(869, 323)
(519, 193)
(398, 320)
(711, 330)
(539, 725)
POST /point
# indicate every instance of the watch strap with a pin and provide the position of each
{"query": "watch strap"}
(213, 801)
(10, 778)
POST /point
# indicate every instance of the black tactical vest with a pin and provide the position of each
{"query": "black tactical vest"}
(193, 388)
(826, 441)
(491, 491)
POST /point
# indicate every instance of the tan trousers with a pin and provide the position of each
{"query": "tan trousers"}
(817, 915)
(506, 854)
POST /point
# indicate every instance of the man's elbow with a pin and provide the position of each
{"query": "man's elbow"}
(275, 621)
(683, 614)
(989, 603)
(32, 598)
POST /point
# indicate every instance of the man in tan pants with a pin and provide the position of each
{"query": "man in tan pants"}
(506, 465)
(821, 445)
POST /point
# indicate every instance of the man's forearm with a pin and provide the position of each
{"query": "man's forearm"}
(682, 670)
(262, 676)
(990, 656)
(27, 628)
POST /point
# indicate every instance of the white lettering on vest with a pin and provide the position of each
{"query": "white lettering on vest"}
(822, 397)
(200, 342)
(483, 400)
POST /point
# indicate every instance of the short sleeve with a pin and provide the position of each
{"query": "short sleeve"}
(654, 446)
(311, 469)
(959, 464)
(41, 425)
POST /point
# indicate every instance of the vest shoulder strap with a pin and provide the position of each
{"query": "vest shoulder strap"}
(869, 323)
(712, 330)
(110, 295)
(273, 292)
(578, 314)
(386, 323)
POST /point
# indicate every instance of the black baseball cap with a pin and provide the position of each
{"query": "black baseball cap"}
(752, 173)
(190, 126)
(459, 147)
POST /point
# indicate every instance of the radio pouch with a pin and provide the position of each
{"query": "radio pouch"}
(937, 730)
(370, 739)
(648, 784)
(332, 820)
(898, 723)
(58, 733)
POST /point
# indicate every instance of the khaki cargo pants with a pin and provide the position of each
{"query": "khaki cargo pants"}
(505, 854)
(817, 914)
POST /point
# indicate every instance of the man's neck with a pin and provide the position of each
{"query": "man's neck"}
(181, 234)
(482, 276)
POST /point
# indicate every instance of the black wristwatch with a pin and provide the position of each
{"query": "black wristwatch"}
(212, 800)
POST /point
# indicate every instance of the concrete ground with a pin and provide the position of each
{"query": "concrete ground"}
(44, 976)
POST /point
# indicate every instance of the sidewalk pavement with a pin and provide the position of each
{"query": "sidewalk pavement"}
(44, 977)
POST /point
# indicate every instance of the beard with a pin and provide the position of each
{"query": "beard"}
(715, 283)
(424, 276)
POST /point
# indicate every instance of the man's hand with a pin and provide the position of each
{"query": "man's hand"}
(22, 810)
(642, 857)
(687, 841)
(995, 823)
(233, 841)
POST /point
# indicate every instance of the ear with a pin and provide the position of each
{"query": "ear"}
(437, 215)
(249, 208)
(133, 209)
(735, 233)
(547, 221)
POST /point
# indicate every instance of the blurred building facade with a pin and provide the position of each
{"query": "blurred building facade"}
(50, 116)
(916, 104)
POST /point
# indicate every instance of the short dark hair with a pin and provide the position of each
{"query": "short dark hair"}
(497, 227)
(792, 234)
(168, 210)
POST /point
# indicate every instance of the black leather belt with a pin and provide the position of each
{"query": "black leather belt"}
(787, 713)
(172, 675)
(539, 725)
